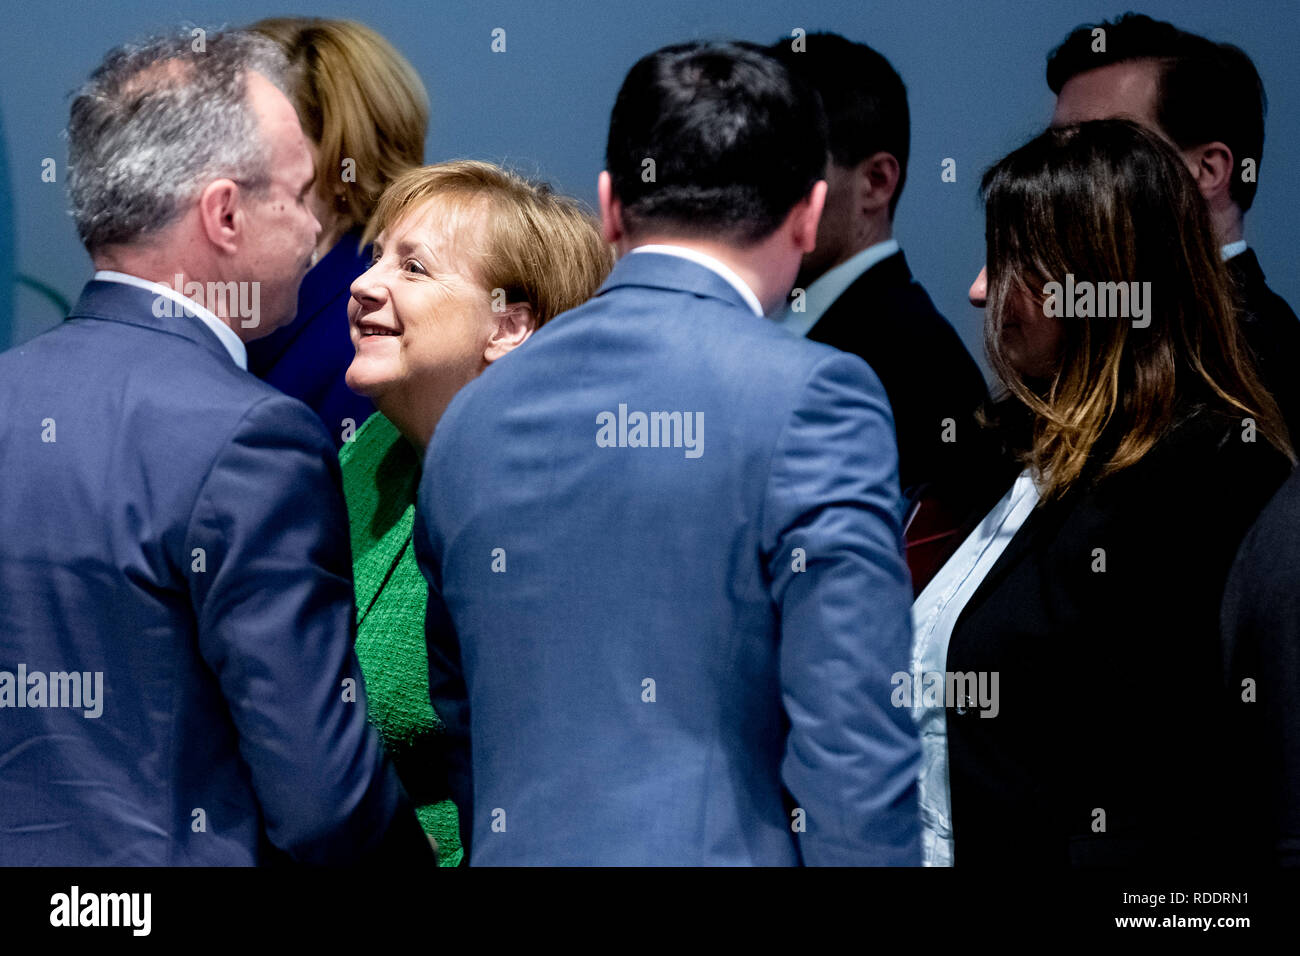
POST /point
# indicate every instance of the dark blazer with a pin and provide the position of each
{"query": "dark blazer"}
(1110, 681)
(308, 357)
(177, 526)
(1273, 333)
(886, 318)
(667, 643)
(1261, 629)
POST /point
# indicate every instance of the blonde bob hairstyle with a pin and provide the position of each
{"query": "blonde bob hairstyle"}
(361, 103)
(536, 246)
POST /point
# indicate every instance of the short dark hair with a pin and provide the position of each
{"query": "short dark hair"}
(736, 141)
(863, 96)
(1206, 91)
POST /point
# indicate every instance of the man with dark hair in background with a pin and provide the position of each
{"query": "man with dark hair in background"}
(677, 651)
(1208, 99)
(859, 294)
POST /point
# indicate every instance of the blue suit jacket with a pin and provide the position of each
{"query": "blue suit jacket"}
(309, 357)
(177, 525)
(639, 650)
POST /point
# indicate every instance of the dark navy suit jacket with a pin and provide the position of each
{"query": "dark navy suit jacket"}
(1273, 334)
(888, 319)
(1110, 673)
(308, 357)
(171, 522)
(1261, 643)
(644, 655)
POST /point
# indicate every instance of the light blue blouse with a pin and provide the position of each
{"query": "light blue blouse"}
(934, 613)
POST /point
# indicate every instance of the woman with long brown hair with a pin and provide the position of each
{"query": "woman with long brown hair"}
(1080, 718)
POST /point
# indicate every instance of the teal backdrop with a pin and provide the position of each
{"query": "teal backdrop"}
(974, 71)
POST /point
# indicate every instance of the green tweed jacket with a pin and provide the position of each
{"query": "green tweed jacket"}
(381, 472)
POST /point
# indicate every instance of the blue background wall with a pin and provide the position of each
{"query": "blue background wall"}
(974, 72)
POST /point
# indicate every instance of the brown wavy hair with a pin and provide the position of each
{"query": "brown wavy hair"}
(358, 99)
(1108, 201)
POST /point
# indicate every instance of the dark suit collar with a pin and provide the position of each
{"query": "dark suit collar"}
(131, 305)
(655, 270)
(1196, 426)
(892, 269)
(1245, 268)
(890, 272)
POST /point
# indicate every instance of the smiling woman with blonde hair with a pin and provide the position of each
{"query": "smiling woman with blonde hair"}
(469, 260)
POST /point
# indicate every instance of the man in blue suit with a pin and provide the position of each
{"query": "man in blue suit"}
(667, 593)
(177, 682)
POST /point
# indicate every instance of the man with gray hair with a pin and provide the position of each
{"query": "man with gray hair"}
(173, 530)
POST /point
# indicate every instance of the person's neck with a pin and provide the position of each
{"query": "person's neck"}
(175, 274)
(759, 266)
(1229, 223)
(870, 232)
(410, 420)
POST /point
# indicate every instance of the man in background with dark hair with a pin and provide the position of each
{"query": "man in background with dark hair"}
(663, 542)
(1208, 99)
(859, 294)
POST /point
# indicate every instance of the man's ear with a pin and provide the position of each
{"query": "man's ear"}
(1212, 166)
(513, 327)
(611, 210)
(221, 213)
(875, 181)
(805, 216)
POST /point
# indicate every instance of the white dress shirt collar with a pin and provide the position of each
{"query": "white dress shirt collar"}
(1232, 249)
(224, 333)
(710, 263)
(828, 287)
